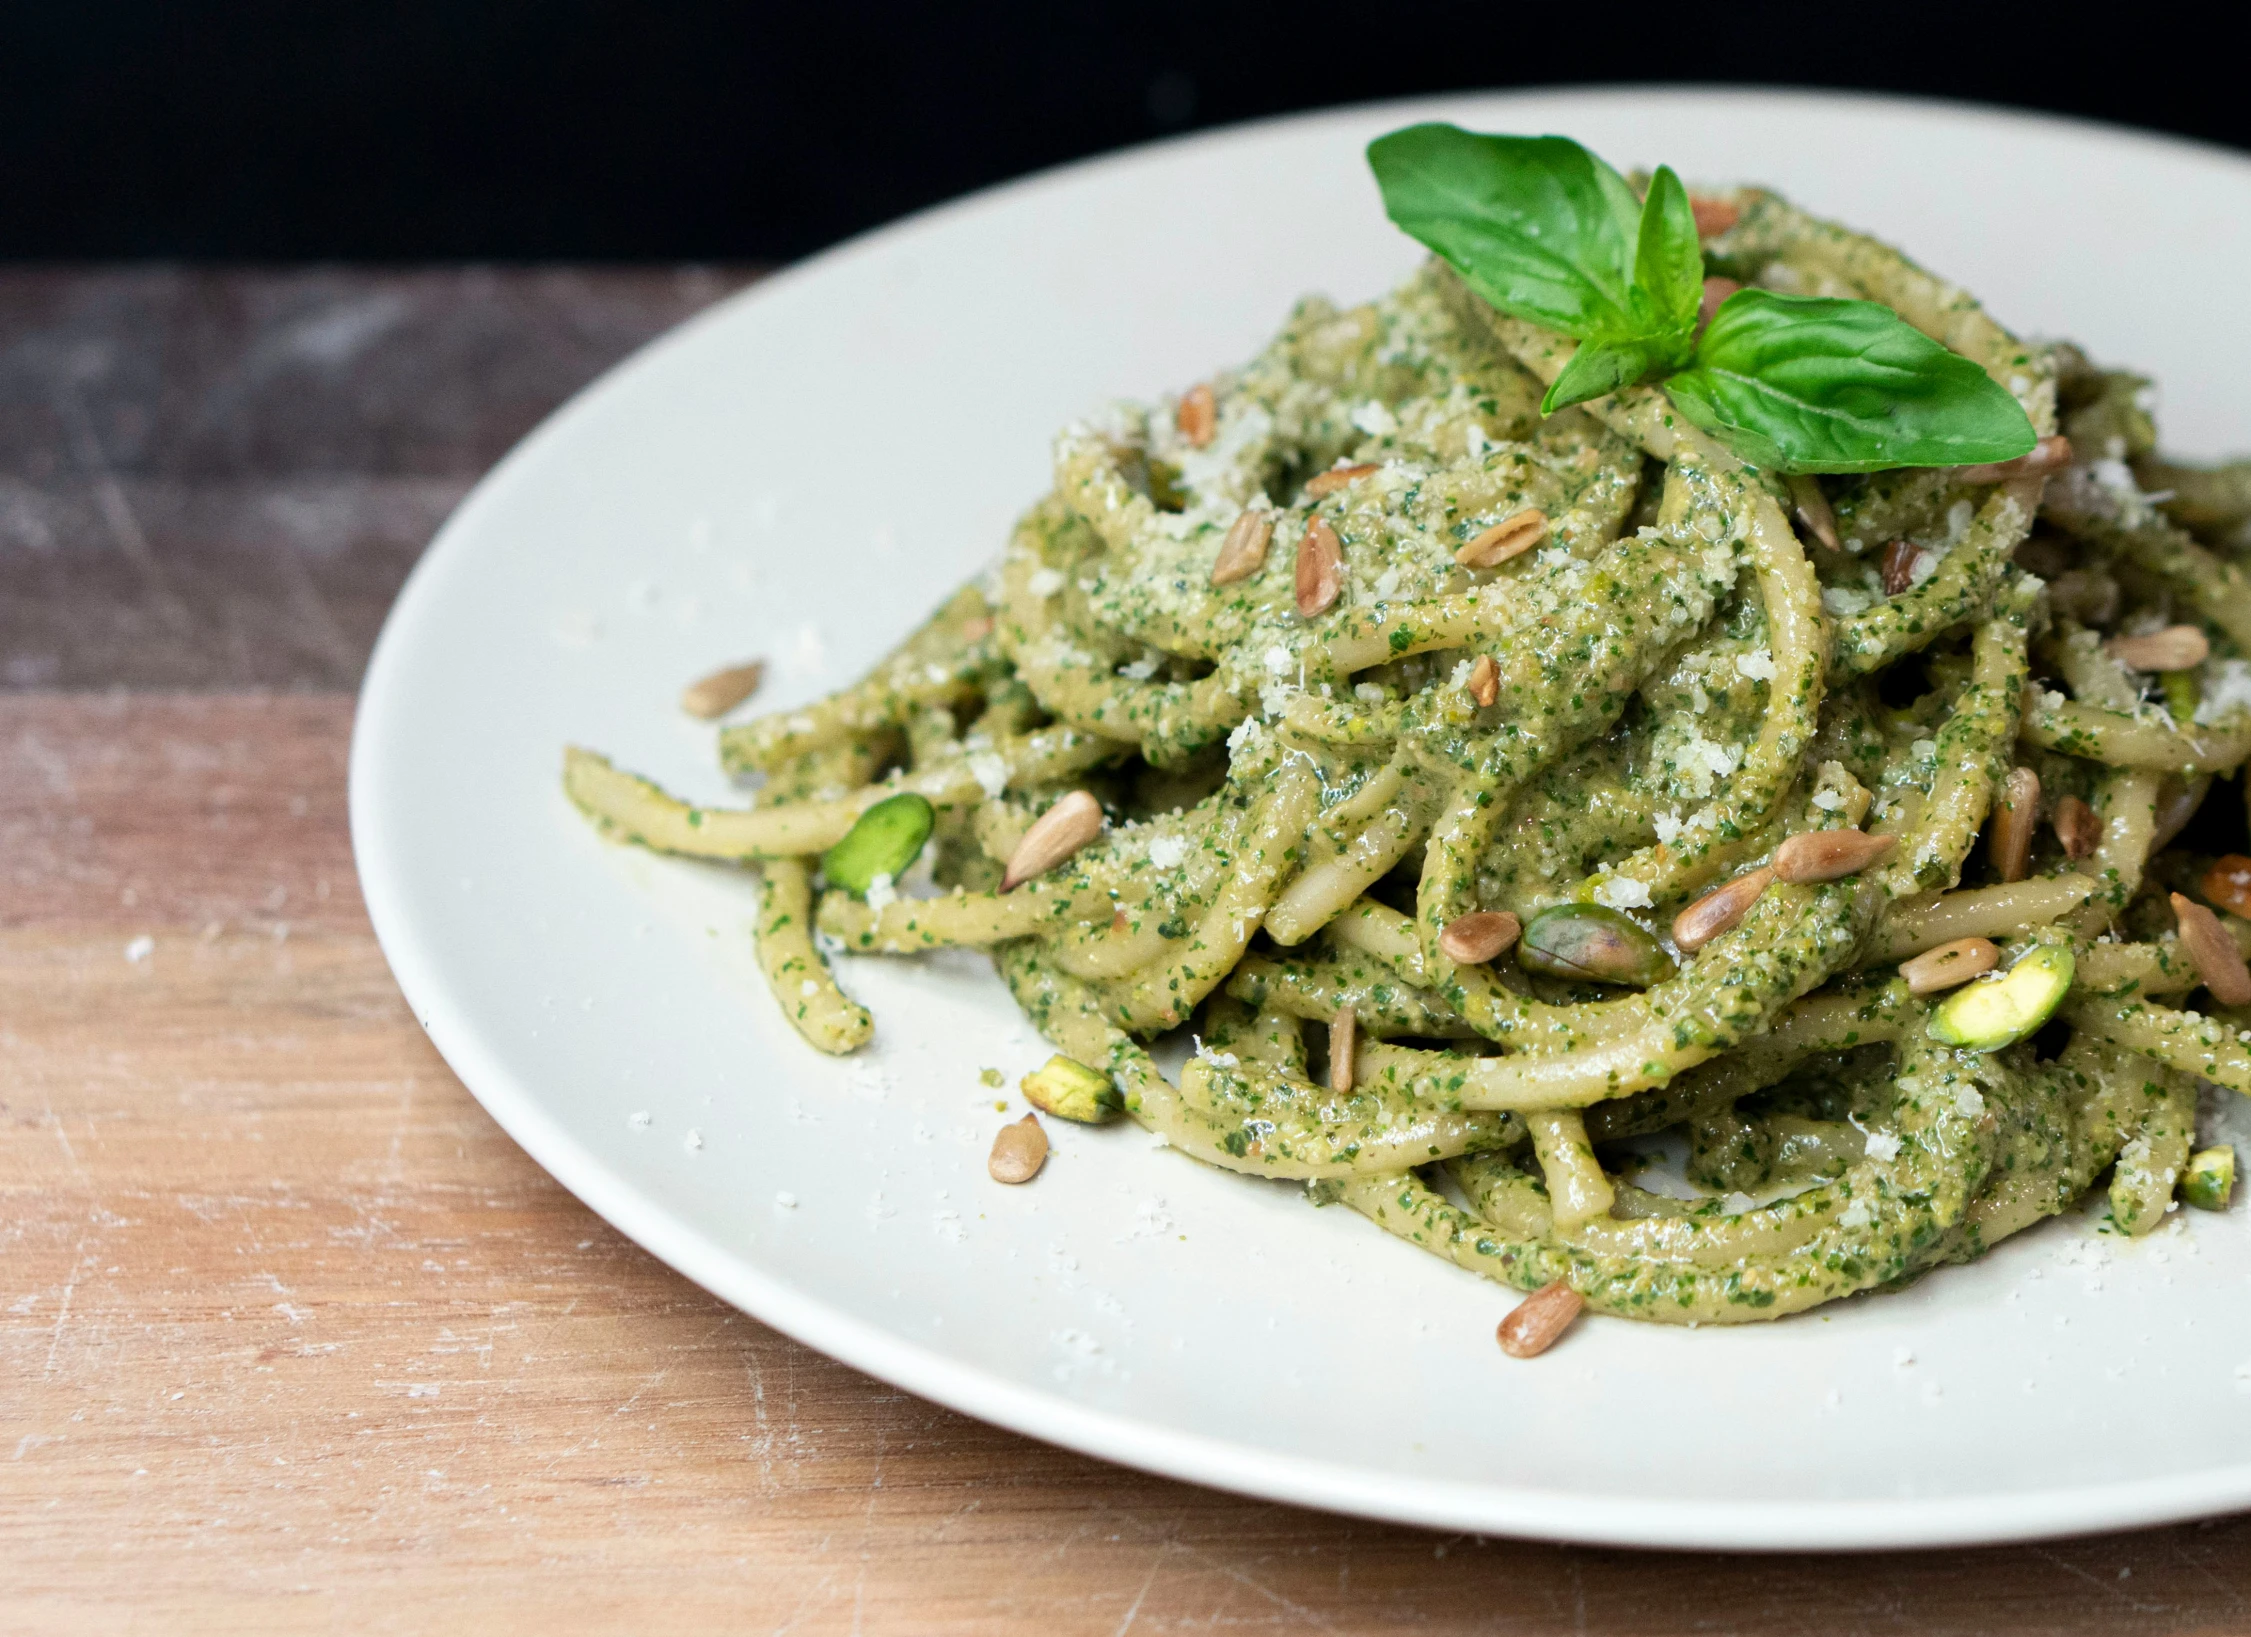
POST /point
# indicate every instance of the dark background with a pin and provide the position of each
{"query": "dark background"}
(593, 129)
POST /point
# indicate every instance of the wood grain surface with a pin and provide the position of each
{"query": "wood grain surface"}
(292, 1338)
(215, 479)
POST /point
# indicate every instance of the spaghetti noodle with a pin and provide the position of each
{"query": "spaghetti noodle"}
(1583, 670)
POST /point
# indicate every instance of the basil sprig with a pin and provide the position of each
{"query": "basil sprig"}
(1547, 232)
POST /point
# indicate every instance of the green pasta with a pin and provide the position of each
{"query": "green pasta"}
(1297, 697)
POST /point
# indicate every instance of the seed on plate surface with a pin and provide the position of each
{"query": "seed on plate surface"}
(1019, 1151)
(1950, 965)
(2014, 817)
(1898, 570)
(1198, 415)
(722, 690)
(1320, 569)
(1592, 942)
(2080, 831)
(1828, 855)
(1337, 477)
(1719, 909)
(1813, 510)
(2176, 648)
(1485, 680)
(1054, 836)
(1538, 1322)
(883, 841)
(2051, 454)
(1475, 938)
(1243, 552)
(1512, 536)
(1344, 1049)
(1069, 1090)
(2213, 950)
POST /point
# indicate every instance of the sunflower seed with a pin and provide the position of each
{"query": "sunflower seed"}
(722, 691)
(1198, 415)
(1019, 1151)
(1512, 536)
(1719, 909)
(1539, 1320)
(1320, 569)
(2218, 962)
(1950, 965)
(1826, 855)
(1898, 570)
(1812, 508)
(1335, 478)
(1485, 680)
(1243, 552)
(2176, 648)
(1054, 836)
(2079, 829)
(1475, 938)
(2014, 816)
(2048, 455)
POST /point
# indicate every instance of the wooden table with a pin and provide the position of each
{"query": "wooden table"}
(292, 1337)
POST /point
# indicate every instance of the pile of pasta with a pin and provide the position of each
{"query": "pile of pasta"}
(1350, 648)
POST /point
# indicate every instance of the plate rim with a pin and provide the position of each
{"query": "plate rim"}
(1864, 1524)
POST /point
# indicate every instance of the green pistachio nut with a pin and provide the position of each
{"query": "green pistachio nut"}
(1592, 943)
(887, 838)
(2002, 1008)
(1069, 1090)
(2182, 695)
(2209, 1178)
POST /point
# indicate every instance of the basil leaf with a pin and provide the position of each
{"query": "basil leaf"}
(1668, 256)
(1814, 384)
(1602, 367)
(1537, 225)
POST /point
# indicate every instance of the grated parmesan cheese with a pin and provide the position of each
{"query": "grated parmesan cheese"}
(990, 772)
(1622, 892)
(2227, 688)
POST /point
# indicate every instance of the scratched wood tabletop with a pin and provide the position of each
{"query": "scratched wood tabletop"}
(293, 1338)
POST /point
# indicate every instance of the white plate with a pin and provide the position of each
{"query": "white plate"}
(801, 473)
